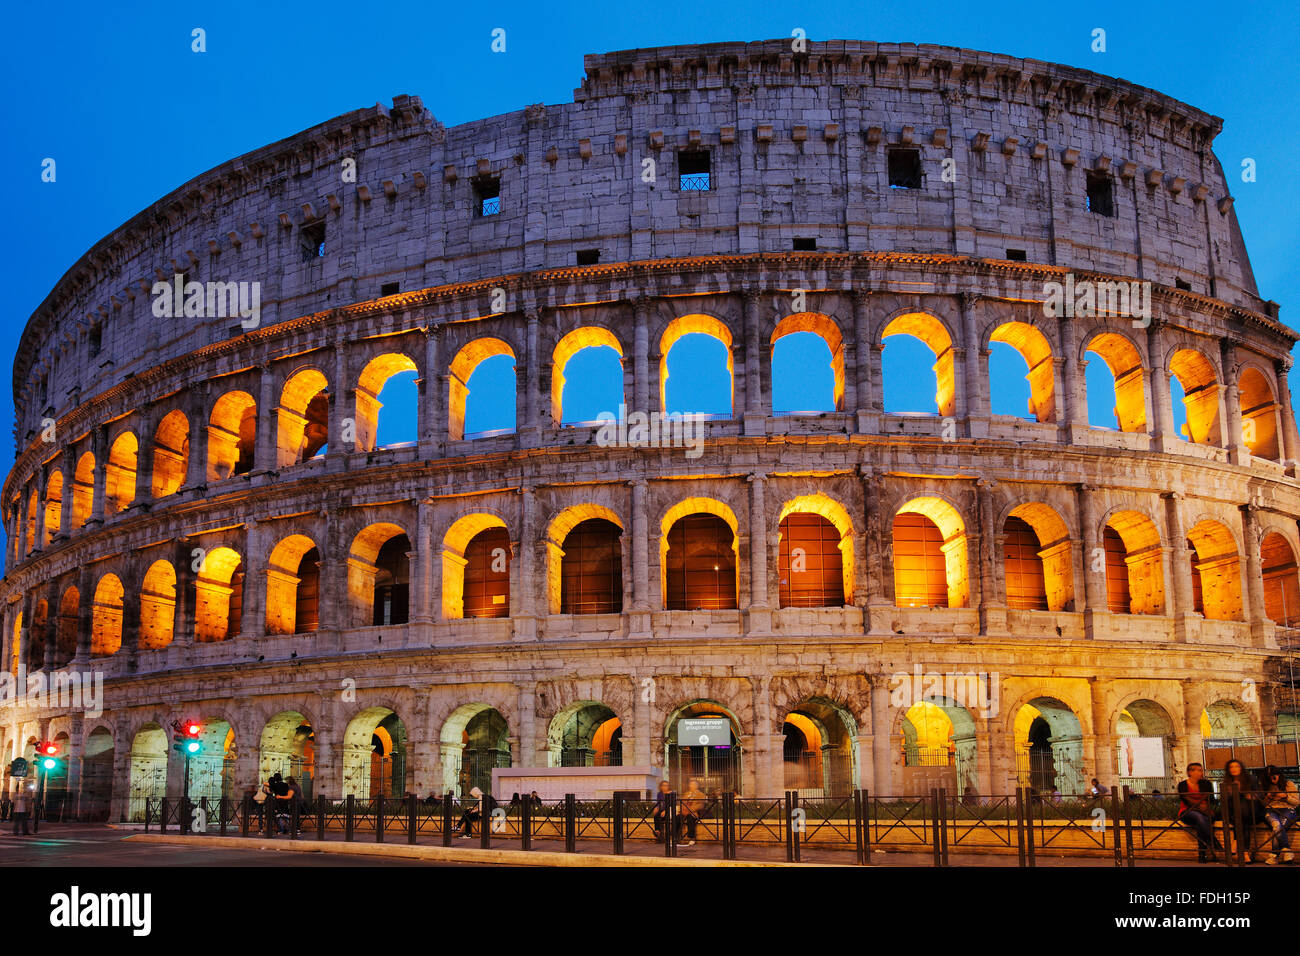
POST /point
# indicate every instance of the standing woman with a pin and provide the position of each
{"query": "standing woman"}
(1239, 789)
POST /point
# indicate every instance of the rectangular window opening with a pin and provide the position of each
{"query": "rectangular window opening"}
(694, 170)
(1016, 255)
(804, 244)
(905, 168)
(1180, 284)
(1101, 194)
(389, 288)
(488, 193)
(588, 257)
(313, 240)
(97, 337)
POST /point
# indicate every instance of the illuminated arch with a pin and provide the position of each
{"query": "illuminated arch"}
(586, 733)
(15, 644)
(1217, 565)
(292, 584)
(690, 507)
(66, 627)
(83, 491)
(106, 617)
(911, 565)
(1032, 346)
(689, 325)
(120, 473)
(825, 328)
(721, 769)
(287, 746)
(232, 434)
(171, 454)
(33, 506)
(454, 562)
(462, 367)
(1048, 741)
(939, 731)
(474, 739)
(820, 749)
(369, 387)
(832, 511)
(589, 336)
(147, 769)
(934, 334)
(38, 638)
(53, 505)
(1281, 583)
(379, 575)
(157, 606)
(1141, 565)
(1125, 364)
(1259, 414)
(556, 535)
(1054, 552)
(303, 417)
(1200, 386)
(218, 596)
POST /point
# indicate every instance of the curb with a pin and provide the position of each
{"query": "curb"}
(439, 854)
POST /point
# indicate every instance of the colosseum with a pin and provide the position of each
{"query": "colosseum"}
(202, 511)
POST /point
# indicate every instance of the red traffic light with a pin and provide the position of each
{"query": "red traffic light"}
(48, 749)
(193, 728)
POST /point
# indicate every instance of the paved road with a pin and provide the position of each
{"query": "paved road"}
(60, 845)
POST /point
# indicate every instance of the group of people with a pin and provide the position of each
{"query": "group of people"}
(278, 796)
(1271, 799)
(690, 806)
(19, 808)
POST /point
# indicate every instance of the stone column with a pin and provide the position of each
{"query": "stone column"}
(1096, 610)
(529, 424)
(1177, 566)
(769, 776)
(1073, 407)
(196, 467)
(868, 401)
(524, 610)
(993, 608)
(646, 740)
(342, 404)
(755, 421)
(178, 654)
(1103, 749)
(881, 783)
(878, 585)
(1288, 440)
(99, 444)
(640, 545)
(85, 617)
(144, 460)
(42, 487)
(426, 561)
(1252, 589)
(65, 505)
(972, 359)
(759, 612)
(641, 375)
(265, 454)
(257, 546)
(1234, 438)
(433, 427)
(1163, 435)
(1193, 742)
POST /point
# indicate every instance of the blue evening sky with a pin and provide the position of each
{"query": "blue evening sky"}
(114, 94)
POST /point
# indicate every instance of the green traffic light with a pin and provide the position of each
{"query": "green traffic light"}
(193, 747)
(49, 763)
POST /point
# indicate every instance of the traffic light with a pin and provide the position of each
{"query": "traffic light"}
(49, 752)
(186, 738)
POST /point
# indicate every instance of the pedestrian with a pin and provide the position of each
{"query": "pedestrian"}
(1195, 810)
(660, 816)
(473, 813)
(296, 801)
(1240, 802)
(1098, 789)
(22, 807)
(537, 801)
(278, 801)
(1281, 803)
(693, 801)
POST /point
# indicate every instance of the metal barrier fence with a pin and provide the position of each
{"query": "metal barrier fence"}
(1121, 826)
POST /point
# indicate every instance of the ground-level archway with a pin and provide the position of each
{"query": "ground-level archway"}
(702, 742)
(1049, 747)
(475, 739)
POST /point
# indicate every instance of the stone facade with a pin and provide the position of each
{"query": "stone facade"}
(109, 481)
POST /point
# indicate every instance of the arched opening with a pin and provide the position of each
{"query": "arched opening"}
(1216, 571)
(303, 418)
(65, 637)
(1224, 720)
(1036, 352)
(903, 375)
(33, 508)
(387, 381)
(1044, 550)
(597, 370)
(37, 639)
(212, 772)
(475, 739)
(379, 576)
(820, 749)
(97, 757)
(148, 770)
(585, 561)
(1144, 743)
(16, 646)
(83, 491)
(1135, 576)
(476, 555)
(157, 606)
(1198, 418)
(807, 365)
(702, 743)
(171, 454)
(1049, 747)
(293, 586)
(232, 435)
(815, 560)
(939, 747)
(106, 617)
(1124, 363)
(585, 734)
(56, 783)
(120, 474)
(219, 596)
(374, 755)
(1281, 583)
(698, 556)
(53, 506)
(1259, 414)
(698, 349)
(489, 365)
(288, 747)
(929, 555)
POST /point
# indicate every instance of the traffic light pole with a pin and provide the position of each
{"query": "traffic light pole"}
(38, 803)
(185, 796)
